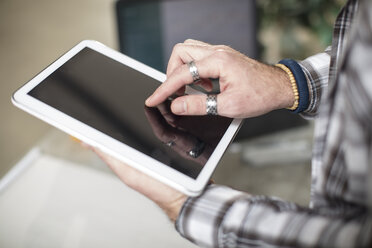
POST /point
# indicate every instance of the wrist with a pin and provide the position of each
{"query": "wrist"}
(291, 101)
(173, 209)
(287, 96)
(300, 84)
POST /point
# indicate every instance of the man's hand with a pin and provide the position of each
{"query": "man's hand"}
(169, 199)
(248, 88)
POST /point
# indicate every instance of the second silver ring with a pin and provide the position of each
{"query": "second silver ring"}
(211, 105)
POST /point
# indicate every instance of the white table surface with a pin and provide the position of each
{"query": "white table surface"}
(46, 201)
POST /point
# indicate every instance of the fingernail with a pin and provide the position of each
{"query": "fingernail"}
(179, 107)
(148, 100)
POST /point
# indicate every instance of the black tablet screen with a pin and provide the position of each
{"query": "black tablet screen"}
(109, 97)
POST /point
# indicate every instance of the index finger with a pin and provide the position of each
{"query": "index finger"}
(186, 52)
(181, 77)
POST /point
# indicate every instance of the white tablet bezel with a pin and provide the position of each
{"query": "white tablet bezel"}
(109, 145)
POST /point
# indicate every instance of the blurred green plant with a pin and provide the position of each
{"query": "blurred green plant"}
(294, 18)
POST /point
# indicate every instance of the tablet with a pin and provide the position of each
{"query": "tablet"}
(97, 95)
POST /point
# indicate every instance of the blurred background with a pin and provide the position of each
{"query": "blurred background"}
(54, 193)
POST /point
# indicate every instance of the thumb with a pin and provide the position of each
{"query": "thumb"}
(189, 105)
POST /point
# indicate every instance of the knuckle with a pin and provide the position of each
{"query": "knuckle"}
(222, 48)
(177, 47)
(196, 106)
(222, 57)
(188, 40)
(222, 54)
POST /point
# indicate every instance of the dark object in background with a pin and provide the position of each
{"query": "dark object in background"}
(149, 29)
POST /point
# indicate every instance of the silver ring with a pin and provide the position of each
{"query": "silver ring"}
(170, 143)
(197, 150)
(211, 105)
(194, 71)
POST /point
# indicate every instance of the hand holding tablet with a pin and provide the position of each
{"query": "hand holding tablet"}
(98, 95)
(166, 197)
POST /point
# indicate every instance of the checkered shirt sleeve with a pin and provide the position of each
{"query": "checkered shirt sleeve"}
(340, 212)
(224, 217)
(316, 70)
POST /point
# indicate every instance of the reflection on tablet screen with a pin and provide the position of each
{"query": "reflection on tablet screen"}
(110, 96)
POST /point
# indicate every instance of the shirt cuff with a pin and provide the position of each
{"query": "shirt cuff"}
(200, 216)
(301, 82)
(316, 70)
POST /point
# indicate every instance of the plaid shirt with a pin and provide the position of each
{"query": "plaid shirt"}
(339, 214)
